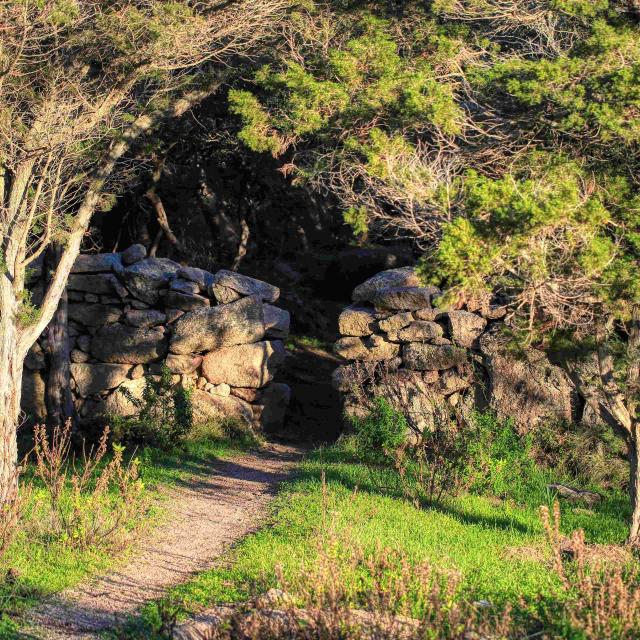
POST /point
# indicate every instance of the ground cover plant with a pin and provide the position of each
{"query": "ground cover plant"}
(348, 526)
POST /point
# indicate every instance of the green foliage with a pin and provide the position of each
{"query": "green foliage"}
(165, 414)
(380, 434)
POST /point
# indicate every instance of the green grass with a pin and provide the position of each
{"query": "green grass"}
(496, 545)
(43, 567)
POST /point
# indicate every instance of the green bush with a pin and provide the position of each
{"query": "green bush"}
(165, 414)
(379, 435)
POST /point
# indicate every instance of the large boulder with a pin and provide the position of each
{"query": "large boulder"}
(208, 407)
(97, 263)
(211, 328)
(246, 365)
(95, 283)
(94, 378)
(525, 387)
(357, 321)
(404, 298)
(430, 357)
(245, 286)
(389, 279)
(144, 279)
(93, 315)
(129, 345)
(370, 349)
(465, 327)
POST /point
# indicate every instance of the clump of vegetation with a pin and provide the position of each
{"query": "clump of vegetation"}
(164, 414)
(87, 501)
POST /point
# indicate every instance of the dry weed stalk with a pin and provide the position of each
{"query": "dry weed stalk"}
(604, 600)
(91, 500)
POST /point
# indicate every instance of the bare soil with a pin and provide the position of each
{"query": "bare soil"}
(207, 515)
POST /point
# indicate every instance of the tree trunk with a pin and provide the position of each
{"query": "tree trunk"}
(11, 363)
(58, 396)
(634, 485)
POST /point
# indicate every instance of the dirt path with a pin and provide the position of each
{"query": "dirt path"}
(210, 513)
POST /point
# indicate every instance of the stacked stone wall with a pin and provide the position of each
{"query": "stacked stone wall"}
(431, 361)
(220, 335)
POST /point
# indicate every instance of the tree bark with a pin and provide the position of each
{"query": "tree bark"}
(58, 396)
(634, 486)
(11, 363)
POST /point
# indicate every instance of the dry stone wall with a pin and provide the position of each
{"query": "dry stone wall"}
(220, 335)
(430, 361)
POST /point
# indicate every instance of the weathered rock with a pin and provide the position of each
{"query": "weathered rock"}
(96, 263)
(32, 400)
(201, 277)
(223, 295)
(35, 358)
(429, 314)
(118, 343)
(84, 343)
(276, 322)
(137, 372)
(357, 321)
(275, 400)
(223, 390)
(77, 355)
(75, 296)
(247, 393)
(208, 407)
(145, 317)
(182, 364)
(145, 278)
(573, 494)
(420, 331)
(184, 286)
(396, 322)
(94, 378)
(392, 278)
(451, 381)
(135, 253)
(211, 328)
(94, 283)
(185, 301)
(246, 286)
(368, 349)
(429, 357)
(404, 298)
(138, 304)
(529, 388)
(93, 315)
(173, 315)
(119, 402)
(92, 298)
(245, 365)
(465, 327)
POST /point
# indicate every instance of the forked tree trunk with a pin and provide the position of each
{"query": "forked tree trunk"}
(11, 363)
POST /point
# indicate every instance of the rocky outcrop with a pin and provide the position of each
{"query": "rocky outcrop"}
(219, 335)
(430, 361)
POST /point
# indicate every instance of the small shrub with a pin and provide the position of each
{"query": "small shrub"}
(91, 500)
(165, 414)
(379, 435)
